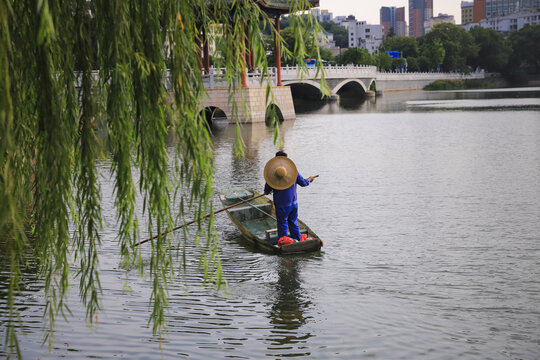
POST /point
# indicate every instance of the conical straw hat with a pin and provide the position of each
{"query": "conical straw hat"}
(280, 173)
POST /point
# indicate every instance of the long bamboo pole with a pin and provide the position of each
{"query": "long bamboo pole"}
(193, 221)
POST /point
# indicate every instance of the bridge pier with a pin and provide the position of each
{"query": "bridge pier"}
(251, 103)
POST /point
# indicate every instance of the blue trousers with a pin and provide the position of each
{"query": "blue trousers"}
(287, 217)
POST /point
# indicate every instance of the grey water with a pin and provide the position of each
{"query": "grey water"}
(428, 204)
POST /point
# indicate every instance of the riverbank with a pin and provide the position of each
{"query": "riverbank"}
(490, 81)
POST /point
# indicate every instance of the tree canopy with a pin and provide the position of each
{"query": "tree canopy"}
(408, 46)
(526, 52)
(458, 44)
(357, 56)
(493, 49)
(73, 70)
(340, 33)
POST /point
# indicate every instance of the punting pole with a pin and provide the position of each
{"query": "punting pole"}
(204, 217)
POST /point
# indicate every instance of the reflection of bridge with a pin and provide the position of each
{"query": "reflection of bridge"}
(342, 81)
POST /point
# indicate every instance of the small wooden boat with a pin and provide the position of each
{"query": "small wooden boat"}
(256, 219)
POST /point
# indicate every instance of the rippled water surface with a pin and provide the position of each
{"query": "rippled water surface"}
(430, 217)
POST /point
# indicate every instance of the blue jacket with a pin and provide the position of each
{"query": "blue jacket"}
(287, 197)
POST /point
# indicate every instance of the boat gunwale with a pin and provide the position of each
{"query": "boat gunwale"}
(262, 241)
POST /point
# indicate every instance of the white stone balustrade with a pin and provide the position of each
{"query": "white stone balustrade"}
(216, 78)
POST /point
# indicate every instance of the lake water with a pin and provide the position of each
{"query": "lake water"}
(429, 208)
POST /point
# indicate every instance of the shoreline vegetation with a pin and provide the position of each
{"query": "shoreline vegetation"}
(493, 81)
(439, 85)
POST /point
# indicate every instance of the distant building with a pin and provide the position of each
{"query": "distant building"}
(508, 23)
(479, 10)
(340, 20)
(505, 16)
(419, 12)
(467, 12)
(321, 15)
(529, 5)
(326, 15)
(364, 36)
(495, 8)
(442, 18)
(393, 18)
(327, 42)
(401, 24)
(487, 9)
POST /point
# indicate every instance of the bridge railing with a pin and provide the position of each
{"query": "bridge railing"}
(330, 72)
(216, 78)
(427, 76)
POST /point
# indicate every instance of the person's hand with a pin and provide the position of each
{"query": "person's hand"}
(268, 193)
(311, 178)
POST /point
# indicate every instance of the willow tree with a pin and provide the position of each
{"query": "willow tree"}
(73, 68)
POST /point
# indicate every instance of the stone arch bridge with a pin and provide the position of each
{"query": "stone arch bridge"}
(351, 81)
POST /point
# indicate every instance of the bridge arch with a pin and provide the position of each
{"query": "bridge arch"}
(273, 115)
(305, 89)
(350, 88)
(373, 85)
(215, 118)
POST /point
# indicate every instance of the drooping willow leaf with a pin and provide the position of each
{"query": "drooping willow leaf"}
(73, 69)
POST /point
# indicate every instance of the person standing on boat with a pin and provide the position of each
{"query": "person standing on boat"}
(281, 178)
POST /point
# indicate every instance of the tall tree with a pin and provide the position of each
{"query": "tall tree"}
(408, 46)
(494, 49)
(340, 33)
(434, 53)
(526, 52)
(357, 56)
(458, 44)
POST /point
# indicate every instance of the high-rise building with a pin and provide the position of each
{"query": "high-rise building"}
(388, 19)
(487, 9)
(479, 10)
(393, 18)
(495, 8)
(401, 24)
(467, 12)
(505, 16)
(529, 5)
(419, 11)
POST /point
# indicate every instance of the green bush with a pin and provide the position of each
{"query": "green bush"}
(446, 85)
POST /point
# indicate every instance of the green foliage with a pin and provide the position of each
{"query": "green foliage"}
(446, 85)
(398, 63)
(308, 42)
(424, 64)
(53, 103)
(412, 64)
(357, 56)
(408, 46)
(383, 61)
(325, 54)
(526, 52)
(458, 46)
(434, 54)
(494, 50)
(340, 33)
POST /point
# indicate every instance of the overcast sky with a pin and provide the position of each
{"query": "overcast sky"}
(368, 10)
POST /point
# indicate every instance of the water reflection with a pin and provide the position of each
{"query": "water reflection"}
(518, 98)
(246, 168)
(287, 313)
